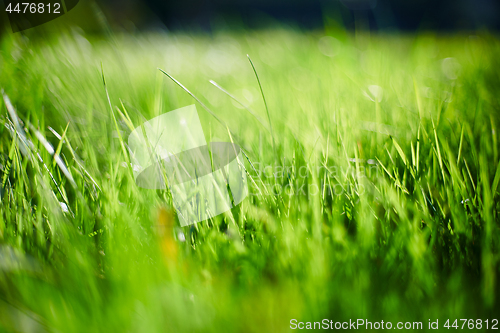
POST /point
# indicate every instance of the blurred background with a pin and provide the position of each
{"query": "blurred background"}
(210, 15)
(378, 14)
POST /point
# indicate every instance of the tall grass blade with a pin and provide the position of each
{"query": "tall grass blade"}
(265, 104)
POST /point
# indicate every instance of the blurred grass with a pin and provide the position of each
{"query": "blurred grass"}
(404, 128)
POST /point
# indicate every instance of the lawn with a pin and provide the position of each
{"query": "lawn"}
(373, 172)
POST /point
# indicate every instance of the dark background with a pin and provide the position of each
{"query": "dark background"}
(211, 15)
(406, 15)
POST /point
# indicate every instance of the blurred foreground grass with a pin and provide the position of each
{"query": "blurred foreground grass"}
(380, 200)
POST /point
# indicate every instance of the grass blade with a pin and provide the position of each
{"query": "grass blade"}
(243, 105)
(265, 104)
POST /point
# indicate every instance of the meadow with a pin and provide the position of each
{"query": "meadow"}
(372, 163)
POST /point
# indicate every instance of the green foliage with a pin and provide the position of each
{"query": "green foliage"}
(375, 196)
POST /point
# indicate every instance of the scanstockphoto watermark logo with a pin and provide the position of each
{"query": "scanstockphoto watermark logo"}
(334, 180)
(28, 14)
(360, 324)
(208, 179)
(205, 179)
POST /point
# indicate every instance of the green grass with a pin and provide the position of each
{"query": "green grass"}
(404, 128)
